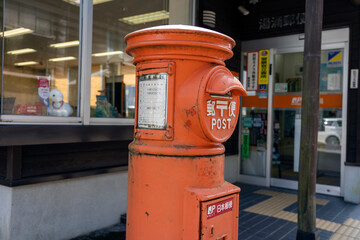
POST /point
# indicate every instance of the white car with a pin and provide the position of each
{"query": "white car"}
(330, 131)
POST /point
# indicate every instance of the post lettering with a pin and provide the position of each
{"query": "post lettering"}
(220, 123)
(213, 123)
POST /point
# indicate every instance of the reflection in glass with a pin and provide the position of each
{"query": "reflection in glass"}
(113, 74)
(288, 72)
(329, 146)
(285, 144)
(254, 133)
(34, 65)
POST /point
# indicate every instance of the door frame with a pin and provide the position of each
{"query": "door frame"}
(331, 39)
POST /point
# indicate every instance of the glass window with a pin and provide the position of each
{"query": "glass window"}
(41, 58)
(112, 71)
(1, 59)
(254, 128)
(287, 116)
(254, 133)
(288, 72)
(41, 52)
(331, 71)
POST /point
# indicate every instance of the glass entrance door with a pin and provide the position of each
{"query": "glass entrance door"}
(287, 98)
(255, 115)
(271, 115)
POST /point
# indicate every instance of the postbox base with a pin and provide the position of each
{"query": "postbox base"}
(167, 195)
(219, 213)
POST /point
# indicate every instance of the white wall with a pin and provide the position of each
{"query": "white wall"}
(352, 184)
(231, 171)
(181, 12)
(62, 209)
(5, 209)
(68, 208)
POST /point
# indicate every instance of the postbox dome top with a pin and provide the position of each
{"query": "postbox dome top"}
(177, 27)
(179, 40)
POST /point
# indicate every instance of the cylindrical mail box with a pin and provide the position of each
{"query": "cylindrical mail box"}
(187, 105)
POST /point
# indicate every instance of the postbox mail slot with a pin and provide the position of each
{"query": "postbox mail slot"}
(219, 218)
(222, 82)
(218, 103)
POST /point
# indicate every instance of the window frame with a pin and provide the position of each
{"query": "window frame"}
(6, 119)
(84, 73)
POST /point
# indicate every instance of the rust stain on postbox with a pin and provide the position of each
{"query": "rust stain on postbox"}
(187, 105)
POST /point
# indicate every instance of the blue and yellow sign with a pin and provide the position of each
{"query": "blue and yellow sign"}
(334, 59)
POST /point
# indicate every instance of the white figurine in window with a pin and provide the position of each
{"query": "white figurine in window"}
(58, 107)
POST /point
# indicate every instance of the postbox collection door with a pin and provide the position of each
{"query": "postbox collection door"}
(219, 218)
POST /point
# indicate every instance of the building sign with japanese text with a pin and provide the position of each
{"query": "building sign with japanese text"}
(283, 21)
(264, 66)
(252, 71)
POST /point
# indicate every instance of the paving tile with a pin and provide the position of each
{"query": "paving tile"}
(247, 218)
(273, 205)
(355, 214)
(292, 208)
(273, 226)
(322, 201)
(254, 237)
(259, 235)
(352, 223)
(342, 215)
(279, 222)
(290, 235)
(325, 235)
(253, 221)
(336, 219)
(337, 236)
(267, 192)
(268, 221)
(326, 213)
(283, 230)
(243, 204)
(245, 234)
(352, 211)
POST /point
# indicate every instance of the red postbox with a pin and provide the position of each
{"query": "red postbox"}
(187, 104)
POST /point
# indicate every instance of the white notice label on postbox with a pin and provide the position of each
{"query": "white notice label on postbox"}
(152, 100)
